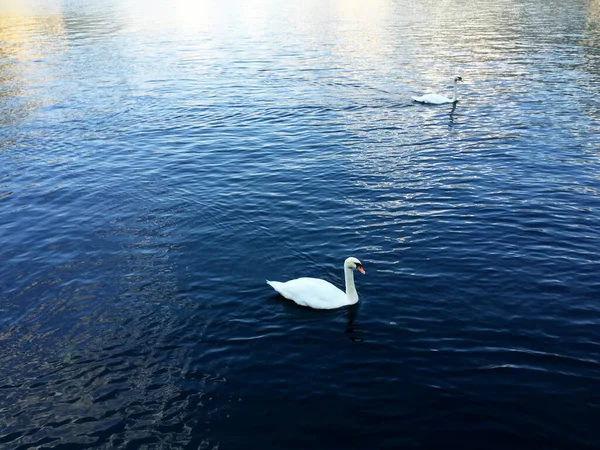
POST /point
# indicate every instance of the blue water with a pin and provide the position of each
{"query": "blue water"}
(160, 160)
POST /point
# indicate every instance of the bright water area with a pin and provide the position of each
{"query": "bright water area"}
(160, 160)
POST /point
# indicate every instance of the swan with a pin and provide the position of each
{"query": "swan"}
(320, 294)
(437, 99)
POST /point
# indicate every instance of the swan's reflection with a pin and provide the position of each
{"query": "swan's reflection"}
(351, 329)
(451, 114)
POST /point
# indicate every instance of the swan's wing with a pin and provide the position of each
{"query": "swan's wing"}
(434, 99)
(312, 292)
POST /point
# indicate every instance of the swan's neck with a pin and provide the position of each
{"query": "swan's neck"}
(455, 97)
(350, 288)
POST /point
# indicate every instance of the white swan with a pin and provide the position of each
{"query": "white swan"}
(321, 294)
(437, 99)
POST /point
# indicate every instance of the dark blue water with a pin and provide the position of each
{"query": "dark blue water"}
(160, 160)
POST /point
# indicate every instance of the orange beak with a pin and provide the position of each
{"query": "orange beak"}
(361, 270)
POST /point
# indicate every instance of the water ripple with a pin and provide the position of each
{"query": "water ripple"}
(158, 164)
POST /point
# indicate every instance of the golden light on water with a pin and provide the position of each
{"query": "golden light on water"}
(20, 21)
(594, 13)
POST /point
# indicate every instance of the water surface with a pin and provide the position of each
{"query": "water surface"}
(159, 162)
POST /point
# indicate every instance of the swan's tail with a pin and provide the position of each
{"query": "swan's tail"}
(275, 285)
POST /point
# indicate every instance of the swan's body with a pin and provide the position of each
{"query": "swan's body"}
(321, 294)
(437, 99)
(433, 99)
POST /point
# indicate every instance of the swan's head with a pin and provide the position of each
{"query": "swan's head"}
(458, 79)
(353, 263)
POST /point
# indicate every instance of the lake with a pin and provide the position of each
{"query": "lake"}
(160, 160)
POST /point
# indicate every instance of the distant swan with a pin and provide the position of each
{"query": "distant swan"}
(321, 294)
(437, 99)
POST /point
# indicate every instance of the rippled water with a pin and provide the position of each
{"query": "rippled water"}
(159, 161)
